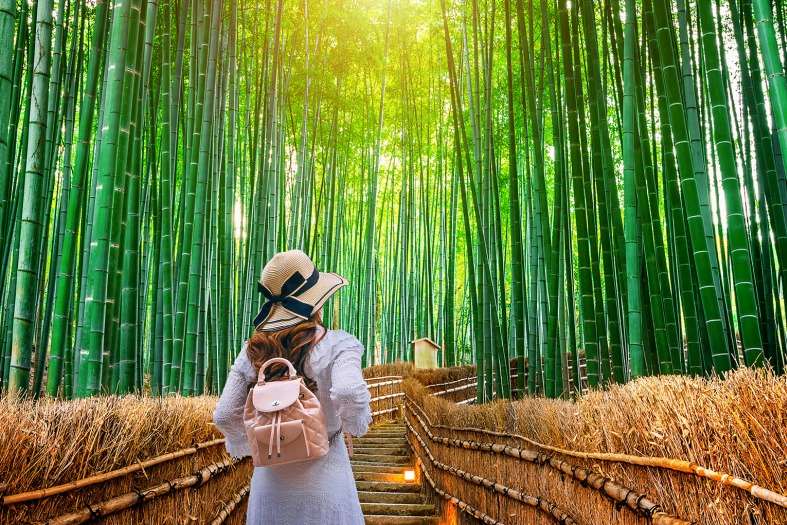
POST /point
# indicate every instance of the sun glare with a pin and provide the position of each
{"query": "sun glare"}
(238, 222)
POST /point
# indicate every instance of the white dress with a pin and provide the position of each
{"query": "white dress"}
(319, 492)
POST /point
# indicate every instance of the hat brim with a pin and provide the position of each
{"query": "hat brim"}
(280, 317)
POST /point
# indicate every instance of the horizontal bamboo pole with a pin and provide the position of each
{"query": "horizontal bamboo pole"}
(455, 389)
(464, 507)
(389, 396)
(124, 501)
(105, 476)
(228, 508)
(397, 380)
(639, 503)
(386, 411)
(435, 385)
(537, 502)
(677, 465)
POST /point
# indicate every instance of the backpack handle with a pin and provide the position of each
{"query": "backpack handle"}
(272, 361)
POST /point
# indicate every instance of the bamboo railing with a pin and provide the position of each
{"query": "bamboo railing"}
(618, 494)
(462, 391)
(527, 499)
(386, 397)
(227, 509)
(128, 500)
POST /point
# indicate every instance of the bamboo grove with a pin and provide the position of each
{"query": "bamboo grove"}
(535, 184)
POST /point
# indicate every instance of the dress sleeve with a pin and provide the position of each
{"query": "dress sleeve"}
(348, 388)
(228, 416)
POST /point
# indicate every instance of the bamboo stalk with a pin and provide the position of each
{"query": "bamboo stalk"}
(130, 499)
(457, 389)
(454, 382)
(105, 476)
(389, 396)
(396, 381)
(228, 507)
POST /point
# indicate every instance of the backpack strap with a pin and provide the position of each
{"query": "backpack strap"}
(272, 361)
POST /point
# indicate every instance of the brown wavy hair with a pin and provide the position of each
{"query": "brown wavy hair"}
(292, 343)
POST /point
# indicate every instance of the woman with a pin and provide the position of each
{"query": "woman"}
(321, 491)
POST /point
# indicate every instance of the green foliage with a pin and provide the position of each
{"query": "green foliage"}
(566, 184)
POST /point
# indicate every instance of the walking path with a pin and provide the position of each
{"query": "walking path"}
(380, 459)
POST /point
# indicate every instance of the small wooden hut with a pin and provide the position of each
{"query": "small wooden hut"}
(425, 352)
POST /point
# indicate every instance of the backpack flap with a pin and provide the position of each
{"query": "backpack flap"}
(276, 395)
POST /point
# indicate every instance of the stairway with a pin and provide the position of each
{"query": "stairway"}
(379, 461)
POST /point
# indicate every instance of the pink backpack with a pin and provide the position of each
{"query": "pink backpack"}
(283, 419)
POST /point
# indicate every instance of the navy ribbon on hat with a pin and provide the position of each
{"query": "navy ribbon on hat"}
(293, 287)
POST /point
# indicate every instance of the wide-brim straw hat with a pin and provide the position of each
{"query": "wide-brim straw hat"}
(294, 290)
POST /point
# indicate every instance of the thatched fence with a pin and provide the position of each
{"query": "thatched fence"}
(132, 459)
(667, 450)
(122, 459)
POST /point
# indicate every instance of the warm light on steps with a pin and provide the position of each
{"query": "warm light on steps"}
(387, 480)
(379, 476)
(399, 469)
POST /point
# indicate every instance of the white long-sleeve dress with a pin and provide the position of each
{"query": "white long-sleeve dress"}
(318, 492)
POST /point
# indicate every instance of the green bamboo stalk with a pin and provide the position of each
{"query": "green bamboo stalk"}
(93, 340)
(29, 255)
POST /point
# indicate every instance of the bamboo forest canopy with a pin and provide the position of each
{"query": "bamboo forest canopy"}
(582, 191)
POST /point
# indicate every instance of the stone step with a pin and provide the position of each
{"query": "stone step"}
(358, 463)
(395, 469)
(381, 449)
(386, 486)
(378, 476)
(385, 434)
(400, 441)
(401, 520)
(398, 509)
(389, 497)
(380, 459)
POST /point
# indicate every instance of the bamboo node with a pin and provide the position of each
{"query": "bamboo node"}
(93, 512)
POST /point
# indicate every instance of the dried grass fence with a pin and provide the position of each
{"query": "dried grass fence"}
(666, 450)
(669, 451)
(385, 388)
(132, 459)
(124, 459)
